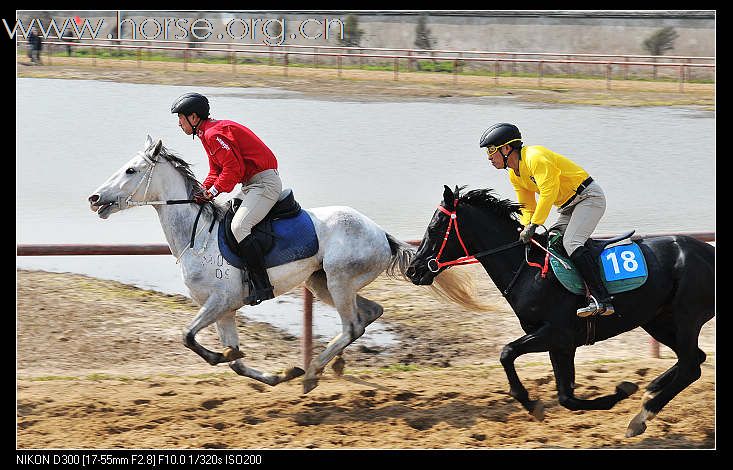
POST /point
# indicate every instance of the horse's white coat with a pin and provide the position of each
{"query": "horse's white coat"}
(353, 251)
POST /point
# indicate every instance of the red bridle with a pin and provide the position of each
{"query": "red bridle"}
(468, 259)
(471, 259)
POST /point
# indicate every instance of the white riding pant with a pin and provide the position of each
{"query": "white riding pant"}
(580, 218)
(258, 196)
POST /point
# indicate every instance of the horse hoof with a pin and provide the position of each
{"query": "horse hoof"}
(638, 424)
(232, 354)
(338, 366)
(635, 428)
(293, 372)
(309, 384)
(537, 410)
(626, 389)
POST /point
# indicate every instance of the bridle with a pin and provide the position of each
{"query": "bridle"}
(149, 176)
(467, 259)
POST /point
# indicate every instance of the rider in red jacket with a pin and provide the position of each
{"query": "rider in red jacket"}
(236, 155)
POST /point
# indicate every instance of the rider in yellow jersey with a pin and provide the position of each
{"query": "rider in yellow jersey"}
(559, 182)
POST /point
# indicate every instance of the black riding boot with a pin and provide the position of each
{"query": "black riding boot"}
(600, 301)
(260, 287)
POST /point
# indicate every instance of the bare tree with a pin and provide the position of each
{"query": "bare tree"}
(660, 41)
(422, 33)
(352, 33)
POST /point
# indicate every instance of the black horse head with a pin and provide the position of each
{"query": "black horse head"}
(476, 212)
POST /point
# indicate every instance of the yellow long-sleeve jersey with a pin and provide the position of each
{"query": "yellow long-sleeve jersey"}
(551, 175)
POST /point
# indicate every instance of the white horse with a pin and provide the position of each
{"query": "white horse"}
(352, 251)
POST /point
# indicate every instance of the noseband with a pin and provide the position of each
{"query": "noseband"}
(149, 176)
(467, 259)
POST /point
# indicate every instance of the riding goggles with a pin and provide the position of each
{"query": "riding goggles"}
(492, 149)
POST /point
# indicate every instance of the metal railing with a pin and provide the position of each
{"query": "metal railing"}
(457, 58)
(307, 337)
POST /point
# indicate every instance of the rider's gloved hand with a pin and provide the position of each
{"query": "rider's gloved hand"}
(527, 233)
(203, 197)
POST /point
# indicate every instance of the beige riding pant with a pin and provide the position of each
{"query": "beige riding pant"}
(581, 217)
(258, 196)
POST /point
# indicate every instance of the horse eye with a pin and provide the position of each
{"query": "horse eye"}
(130, 171)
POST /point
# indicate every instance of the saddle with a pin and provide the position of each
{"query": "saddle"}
(595, 245)
(620, 261)
(285, 208)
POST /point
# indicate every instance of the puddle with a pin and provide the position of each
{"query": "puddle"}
(286, 313)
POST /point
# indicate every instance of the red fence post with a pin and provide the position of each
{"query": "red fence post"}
(654, 348)
(307, 341)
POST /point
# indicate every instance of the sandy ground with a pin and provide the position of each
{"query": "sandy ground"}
(101, 365)
(375, 85)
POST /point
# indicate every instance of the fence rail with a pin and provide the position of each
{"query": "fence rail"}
(62, 249)
(457, 58)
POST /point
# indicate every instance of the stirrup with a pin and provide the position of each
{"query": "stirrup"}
(593, 308)
(264, 294)
(596, 308)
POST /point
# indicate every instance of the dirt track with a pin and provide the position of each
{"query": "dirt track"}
(114, 374)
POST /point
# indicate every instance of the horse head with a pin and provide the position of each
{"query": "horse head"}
(138, 182)
(423, 268)
(461, 227)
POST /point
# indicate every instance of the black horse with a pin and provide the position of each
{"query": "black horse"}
(672, 305)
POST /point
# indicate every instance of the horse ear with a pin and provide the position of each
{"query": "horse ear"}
(148, 142)
(157, 148)
(448, 197)
(455, 195)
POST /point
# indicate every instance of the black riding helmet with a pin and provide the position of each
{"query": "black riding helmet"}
(191, 103)
(499, 135)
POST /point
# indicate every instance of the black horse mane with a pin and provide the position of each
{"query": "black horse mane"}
(485, 198)
(192, 184)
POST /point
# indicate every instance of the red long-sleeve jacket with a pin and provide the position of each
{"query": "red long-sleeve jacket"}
(235, 154)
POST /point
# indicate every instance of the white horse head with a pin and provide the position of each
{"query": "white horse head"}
(146, 179)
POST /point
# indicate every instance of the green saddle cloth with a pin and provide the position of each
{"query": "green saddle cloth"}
(571, 280)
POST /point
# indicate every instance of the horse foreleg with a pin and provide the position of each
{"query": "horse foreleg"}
(208, 314)
(537, 341)
(562, 365)
(226, 326)
(240, 368)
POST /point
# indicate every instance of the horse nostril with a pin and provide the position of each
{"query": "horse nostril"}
(410, 271)
(93, 198)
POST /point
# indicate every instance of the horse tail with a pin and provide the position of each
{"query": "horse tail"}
(454, 285)
(402, 254)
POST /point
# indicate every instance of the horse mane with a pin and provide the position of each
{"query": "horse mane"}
(485, 198)
(192, 184)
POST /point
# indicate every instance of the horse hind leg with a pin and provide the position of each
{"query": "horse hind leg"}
(343, 294)
(672, 382)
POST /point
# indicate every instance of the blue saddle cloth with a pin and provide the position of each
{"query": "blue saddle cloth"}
(295, 238)
(623, 267)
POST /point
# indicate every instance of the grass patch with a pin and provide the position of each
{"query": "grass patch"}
(47, 378)
(399, 368)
